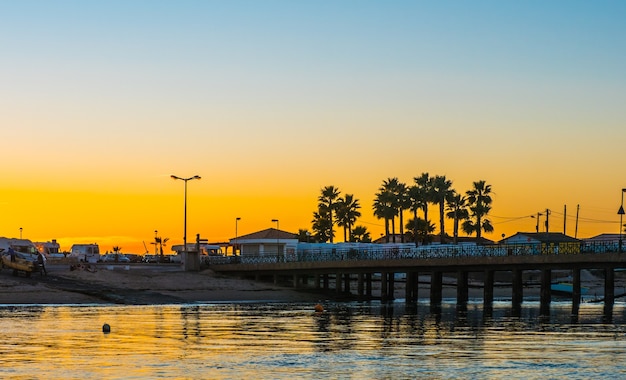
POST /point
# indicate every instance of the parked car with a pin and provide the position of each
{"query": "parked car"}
(134, 258)
(115, 258)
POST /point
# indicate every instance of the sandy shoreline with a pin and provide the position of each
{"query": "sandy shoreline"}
(138, 285)
(145, 285)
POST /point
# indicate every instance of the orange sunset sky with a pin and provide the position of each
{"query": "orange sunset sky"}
(269, 101)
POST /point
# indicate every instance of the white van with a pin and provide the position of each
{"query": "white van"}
(85, 253)
(23, 246)
(50, 249)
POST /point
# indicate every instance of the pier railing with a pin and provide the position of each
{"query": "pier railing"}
(404, 251)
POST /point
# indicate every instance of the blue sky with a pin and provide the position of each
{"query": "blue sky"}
(124, 93)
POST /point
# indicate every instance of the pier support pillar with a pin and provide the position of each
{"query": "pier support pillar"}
(383, 286)
(296, 281)
(518, 292)
(488, 289)
(338, 282)
(576, 293)
(360, 285)
(368, 285)
(609, 293)
(325, 281)
(411, 287)
(462, 288)
(546, 292)
(391, 289)
(436, 285)
(346, 283)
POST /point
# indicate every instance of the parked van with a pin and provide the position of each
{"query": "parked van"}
(19, 245)
(50, 249)
(85, 253)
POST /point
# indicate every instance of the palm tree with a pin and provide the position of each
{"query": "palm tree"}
(420, 230)
(384, 209)
(457, 210)
(393, 187)
(425, 183)
(416, 201)
(321, 225)
(327, 201)
(404, 203)
(304, 236)
(441, 191)
(479, 200)
(117, 250)
(360, 234)
(160, 242)
(347, 214)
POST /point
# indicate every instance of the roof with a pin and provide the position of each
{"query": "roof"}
(268, 234)
(546, 237)
(605, 237)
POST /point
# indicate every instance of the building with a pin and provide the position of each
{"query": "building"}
(542, 243)
(269, 242)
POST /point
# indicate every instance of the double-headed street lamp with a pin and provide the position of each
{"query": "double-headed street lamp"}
(185, 218)
(621, 224)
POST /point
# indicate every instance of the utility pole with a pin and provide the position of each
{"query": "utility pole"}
(576, 232)
(565, 220)
(547, 220)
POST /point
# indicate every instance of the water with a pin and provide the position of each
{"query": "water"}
(286, 340)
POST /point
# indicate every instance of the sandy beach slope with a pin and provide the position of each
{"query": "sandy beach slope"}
(138, 285)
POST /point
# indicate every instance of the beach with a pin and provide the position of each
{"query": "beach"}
(144, 284)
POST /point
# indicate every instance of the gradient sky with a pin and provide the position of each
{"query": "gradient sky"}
(269, 101)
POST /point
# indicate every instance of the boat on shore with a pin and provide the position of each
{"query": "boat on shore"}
(20, 255)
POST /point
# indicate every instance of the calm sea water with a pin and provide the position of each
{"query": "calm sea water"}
(285, 340)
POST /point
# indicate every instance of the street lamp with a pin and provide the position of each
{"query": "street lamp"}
(621, 225)
(538, 215)
(20, 232)
(185, 217)
(277, 239)
(235, 247)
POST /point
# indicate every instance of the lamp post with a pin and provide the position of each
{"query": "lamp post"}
(185, 217)
(277, 239)
(20, 232)
(621, 225)
(235, 247)
(538, 215)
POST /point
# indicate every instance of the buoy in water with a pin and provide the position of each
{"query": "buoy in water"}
(106, 328)
(319, 308)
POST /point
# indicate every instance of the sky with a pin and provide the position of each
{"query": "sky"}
(270, 101)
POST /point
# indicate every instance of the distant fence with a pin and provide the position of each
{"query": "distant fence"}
(437, 251)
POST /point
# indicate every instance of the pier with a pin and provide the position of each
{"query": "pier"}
(353, 275)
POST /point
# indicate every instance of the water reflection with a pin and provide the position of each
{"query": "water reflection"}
(286, 340)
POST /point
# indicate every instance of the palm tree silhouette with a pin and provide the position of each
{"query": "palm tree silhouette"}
(441, 191)
(479, 199)
(327, 202)
(347, 214)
